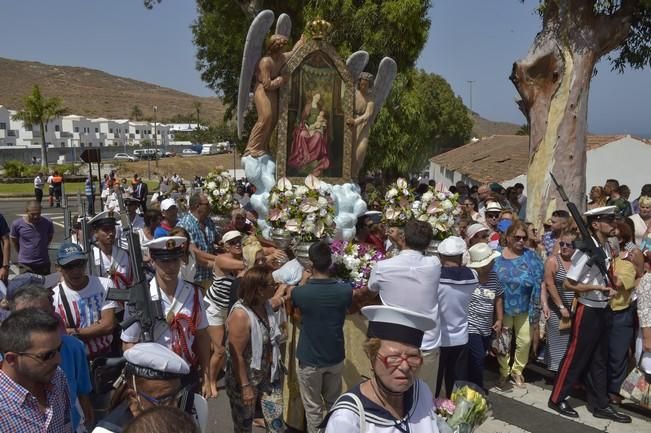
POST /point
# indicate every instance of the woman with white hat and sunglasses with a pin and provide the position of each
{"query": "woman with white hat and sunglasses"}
(486, 300)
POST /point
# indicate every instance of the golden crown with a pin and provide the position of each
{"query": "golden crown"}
(319, 28)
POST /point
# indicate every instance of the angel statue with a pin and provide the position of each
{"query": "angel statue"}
(370, 96)
(265, 74)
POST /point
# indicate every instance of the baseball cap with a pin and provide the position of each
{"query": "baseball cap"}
(69, 252)
(167, 203)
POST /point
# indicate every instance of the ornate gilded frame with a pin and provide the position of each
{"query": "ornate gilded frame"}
(309, 47)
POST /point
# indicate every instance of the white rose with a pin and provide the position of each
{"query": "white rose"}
(212, 185)
(447, 204)
(440, 196)
(427, 197)
(392, 193)
(301, 190)
(289, 193)
(216, 193)
(322, 202)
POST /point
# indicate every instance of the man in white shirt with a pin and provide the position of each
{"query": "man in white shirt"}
(111, 261)
(182, 306)
(411, 281)
(81, 302)
(137, 221)
(38, 187)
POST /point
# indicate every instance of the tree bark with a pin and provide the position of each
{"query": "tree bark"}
(554, 82)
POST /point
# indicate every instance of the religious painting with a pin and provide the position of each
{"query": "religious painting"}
(313, 137)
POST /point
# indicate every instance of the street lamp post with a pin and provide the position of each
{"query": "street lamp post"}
(155, 135)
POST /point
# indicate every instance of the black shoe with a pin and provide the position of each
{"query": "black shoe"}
(609, 413)
(563, 408)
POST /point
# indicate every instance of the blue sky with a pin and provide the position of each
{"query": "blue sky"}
(469, 40)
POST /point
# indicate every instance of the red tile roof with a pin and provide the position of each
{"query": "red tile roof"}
(500, 157)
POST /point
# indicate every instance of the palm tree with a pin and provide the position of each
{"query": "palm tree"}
(197, 108)
(39, 111)
(136, 113)
(524, 130)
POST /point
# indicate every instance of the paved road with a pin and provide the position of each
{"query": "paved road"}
(517, 411)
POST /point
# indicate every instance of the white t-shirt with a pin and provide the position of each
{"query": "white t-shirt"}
(86, 305)
(117, 262)
(411, 281)
(38, 182)
(164, 336)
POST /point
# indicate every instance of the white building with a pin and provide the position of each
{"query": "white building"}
(504, 159)
(81, 132)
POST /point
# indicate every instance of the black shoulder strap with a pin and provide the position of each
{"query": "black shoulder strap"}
(70, 321)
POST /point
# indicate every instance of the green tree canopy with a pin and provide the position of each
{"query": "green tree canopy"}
(39, 110)
(422, 117)
(395, 28)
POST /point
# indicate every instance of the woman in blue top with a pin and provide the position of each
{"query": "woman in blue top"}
(520, 272)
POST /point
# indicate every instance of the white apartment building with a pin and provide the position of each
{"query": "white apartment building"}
(81, 132)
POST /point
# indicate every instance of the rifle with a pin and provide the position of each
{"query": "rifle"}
(596, 254)
(85, 233)
(142, 308)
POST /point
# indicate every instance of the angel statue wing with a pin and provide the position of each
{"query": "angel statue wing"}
(386, 73)
(284, 25)
(252, 53)
(356, 63)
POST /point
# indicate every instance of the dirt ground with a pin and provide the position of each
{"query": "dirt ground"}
(186, 167)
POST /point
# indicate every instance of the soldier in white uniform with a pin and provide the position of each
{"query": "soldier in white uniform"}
(185, 330)
(394, 400)
(111, 261)
(153, 376)
(137, 221)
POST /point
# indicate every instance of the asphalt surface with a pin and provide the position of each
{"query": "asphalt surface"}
(515, 414)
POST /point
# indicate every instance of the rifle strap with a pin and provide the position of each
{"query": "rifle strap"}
(70, 321)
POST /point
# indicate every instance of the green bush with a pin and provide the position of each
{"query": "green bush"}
(14, 168)
(20, 169)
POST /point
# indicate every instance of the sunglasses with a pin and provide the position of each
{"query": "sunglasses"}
(492, 215)
(43, 357)
(566, 244)
(520, 238)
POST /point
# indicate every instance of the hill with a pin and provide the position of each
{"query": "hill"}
(486, 128)
(93, 93)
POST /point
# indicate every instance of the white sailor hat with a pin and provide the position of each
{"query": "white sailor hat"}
(154, 361)
(166, 247)
(452, 246)
(599, 211)
(230, 235)
(397, 324)
(108, 217)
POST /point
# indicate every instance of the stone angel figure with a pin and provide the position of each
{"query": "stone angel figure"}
(264, 74)
(370, 96)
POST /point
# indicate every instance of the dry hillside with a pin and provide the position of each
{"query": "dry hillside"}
(486, 128)
(93, 93)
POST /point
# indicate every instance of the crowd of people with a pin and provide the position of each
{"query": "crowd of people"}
(232, 302)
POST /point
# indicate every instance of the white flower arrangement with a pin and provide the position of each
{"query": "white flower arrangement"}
(307, 211)
(439, 209)
(398, 203)
(219, 187)
(354, 262)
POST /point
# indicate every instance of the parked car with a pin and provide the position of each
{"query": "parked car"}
(146, 153)
(124, 157)
(189, 152)
(169, 154)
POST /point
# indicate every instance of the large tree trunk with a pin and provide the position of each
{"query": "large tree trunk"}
(553, 82)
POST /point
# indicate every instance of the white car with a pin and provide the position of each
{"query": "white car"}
(189, 152)
(124, 157)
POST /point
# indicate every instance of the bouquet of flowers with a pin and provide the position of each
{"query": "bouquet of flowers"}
(466, 410)
(354, 262)
(439, 209)
(398, 203)
(305, 210)
(220, 187)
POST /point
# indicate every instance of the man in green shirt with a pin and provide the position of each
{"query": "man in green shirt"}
(323, 302)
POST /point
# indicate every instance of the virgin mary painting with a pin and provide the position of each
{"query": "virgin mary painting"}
(309, 149)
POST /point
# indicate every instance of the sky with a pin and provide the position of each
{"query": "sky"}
(469, 40)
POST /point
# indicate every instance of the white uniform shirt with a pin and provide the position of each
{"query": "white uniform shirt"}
(411, 281)
(164, 337)
(581, 273)
(118, 261)
(420, 417)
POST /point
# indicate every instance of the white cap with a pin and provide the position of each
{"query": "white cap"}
(475, 228)
(167, 203)
(108, 217)
(452, 246)
(165, 243)
(493, 206)
(604, 210)
(481, 255)
(155, 361)
(230, 235)
(397, 324)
